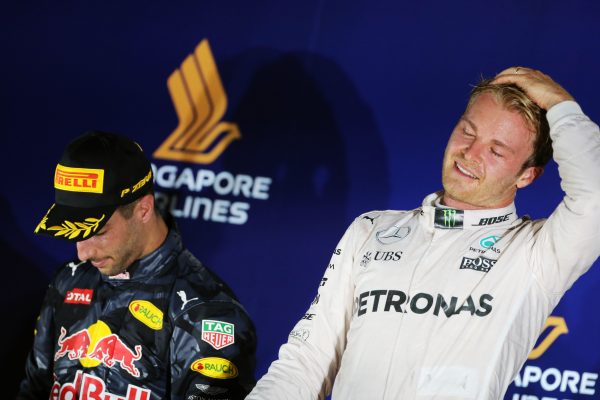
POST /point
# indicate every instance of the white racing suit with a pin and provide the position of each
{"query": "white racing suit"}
(442, 304)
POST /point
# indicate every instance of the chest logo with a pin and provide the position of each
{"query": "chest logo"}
(481, 264)
(147, 313)
(488, 242)
(97, 345)
(217, 333)
(184, 299)
(79, 296)
(393, 234)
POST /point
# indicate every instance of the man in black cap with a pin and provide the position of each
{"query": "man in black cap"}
(137, 317)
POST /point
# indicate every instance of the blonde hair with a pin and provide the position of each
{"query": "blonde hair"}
(513, 98)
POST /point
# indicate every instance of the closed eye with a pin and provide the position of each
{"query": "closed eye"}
(495, 153)
(468, 133)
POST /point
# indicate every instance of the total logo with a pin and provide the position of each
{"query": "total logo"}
(201, 137)
(89, 387)
(98, 345)
(79, 296)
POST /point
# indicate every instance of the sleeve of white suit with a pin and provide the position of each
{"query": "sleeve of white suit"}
(568, 243)
(309, 361)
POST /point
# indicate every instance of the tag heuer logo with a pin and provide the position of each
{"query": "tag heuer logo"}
(218, 334)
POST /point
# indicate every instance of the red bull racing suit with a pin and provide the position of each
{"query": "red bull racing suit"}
(170, 329)
(438, 303)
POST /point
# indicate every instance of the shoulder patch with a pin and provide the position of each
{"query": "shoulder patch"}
(215, 367)
(218, 334)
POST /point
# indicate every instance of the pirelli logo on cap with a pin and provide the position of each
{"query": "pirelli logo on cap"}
(79, 179)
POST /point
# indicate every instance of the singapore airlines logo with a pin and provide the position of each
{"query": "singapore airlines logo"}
(559, 327)
(200, 103)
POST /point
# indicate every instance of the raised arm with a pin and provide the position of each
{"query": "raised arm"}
(568, 242)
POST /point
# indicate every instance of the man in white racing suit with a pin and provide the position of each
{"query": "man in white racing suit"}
(446, 301)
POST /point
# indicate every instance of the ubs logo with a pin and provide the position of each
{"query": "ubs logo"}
(380, 256)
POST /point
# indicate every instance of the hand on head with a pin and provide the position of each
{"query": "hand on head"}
(540, 88)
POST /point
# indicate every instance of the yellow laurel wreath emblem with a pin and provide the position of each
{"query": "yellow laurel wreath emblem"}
(72, 229)
(42, 224)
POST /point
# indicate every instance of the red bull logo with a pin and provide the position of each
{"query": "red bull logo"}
(111, 349)
(88, 387)
(92, 349)
(74, 346)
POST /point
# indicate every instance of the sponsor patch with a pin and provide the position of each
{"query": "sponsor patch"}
(449, 218)
(217, 333)
(74, 266)
(86, 180)
(184, 299)
(138, 185)
(480, 263)
(79, 296)
(393, 234)
(370, 219)
(384, 300)
(147, 313)
(493, 220)
(215, 367)
(488, 242)
(97, 345)
(86, 386)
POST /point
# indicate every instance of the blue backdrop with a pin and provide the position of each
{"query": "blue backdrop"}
(270, 136)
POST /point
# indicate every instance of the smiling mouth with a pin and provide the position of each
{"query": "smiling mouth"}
(464, 171)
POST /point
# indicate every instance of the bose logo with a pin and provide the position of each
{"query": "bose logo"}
(493, 220)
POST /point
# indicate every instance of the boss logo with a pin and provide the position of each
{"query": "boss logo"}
(478, 264)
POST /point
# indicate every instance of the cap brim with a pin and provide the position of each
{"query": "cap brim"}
(74, 223)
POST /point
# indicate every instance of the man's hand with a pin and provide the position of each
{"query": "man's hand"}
(540, 88)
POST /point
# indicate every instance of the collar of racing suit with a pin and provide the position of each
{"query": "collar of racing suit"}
(442, 217)
(155, 262)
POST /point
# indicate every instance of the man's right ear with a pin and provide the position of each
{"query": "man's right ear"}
(528, 176)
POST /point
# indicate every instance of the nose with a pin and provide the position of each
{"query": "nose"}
(86, 249)
(472, 151)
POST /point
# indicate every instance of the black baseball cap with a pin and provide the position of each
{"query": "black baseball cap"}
(97, 173)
